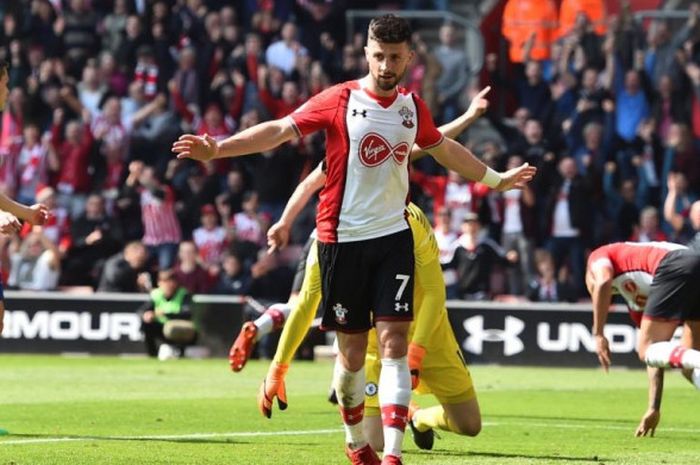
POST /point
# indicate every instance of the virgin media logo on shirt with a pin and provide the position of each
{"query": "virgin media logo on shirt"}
(374, 150)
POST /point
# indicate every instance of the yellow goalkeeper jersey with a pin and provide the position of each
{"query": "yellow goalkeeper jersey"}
(430, 327)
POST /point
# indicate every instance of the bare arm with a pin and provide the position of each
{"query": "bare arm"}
(259, 138)
(147, 110)
(22, 212)
(653, 414)
(457, 158)
(670, 215)
(454, 128)
(278, 234)
(601, 295)
(609, 72)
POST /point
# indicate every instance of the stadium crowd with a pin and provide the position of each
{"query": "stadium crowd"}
(608, 109)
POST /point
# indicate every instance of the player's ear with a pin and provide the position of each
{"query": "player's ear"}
(411, 56)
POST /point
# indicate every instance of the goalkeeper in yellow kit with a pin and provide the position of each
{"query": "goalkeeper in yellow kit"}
(435, 358)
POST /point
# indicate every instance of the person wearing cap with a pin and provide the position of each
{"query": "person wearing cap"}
(165, 318)
(474, 258)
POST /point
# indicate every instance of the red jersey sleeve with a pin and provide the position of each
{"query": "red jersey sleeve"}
(318, 112)
(600, 257)
(428, 135)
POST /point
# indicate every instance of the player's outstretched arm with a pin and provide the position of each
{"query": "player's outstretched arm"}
(651, 417)
(35, 214)
(259, 138)
(599, 282)
(457, 158)
(454, 128)
(9, 224)
(278, 234)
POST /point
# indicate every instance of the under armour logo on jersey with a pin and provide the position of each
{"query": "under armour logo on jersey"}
(340, 313)
(399, 307)
(512, 344)
(355, 112)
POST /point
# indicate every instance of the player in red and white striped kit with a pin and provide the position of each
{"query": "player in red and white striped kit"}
(660, 281)
(365, 246)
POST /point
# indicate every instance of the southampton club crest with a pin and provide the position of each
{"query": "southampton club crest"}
(340, 313)
(407, 116)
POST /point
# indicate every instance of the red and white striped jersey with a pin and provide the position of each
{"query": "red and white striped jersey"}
(634, 265)
(160, 222)
(368, 140)
(210, 243)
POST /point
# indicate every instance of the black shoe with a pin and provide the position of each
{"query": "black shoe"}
(332, 396)
(424, 440)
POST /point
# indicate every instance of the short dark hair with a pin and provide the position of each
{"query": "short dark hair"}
(167, 275)
(390, 29)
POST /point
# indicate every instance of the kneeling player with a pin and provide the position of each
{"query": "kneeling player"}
(659, 282)
(435, 359)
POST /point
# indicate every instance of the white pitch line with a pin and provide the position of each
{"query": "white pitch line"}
(165, 437)
(239, 434)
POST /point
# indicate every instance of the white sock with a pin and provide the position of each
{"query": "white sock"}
(669, 354)
(394, 396)
(273, 319)
(696, 378)
(350, 390)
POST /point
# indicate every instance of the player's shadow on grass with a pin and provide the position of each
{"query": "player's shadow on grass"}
(503, 455)
(550, 418)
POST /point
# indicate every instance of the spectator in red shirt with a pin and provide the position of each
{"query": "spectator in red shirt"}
(73, 178)
(58, 226)
(278, 107)
(188, 271)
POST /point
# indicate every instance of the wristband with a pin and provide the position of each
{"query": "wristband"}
(491, 178)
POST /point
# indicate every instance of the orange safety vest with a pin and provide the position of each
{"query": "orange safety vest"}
(523, 17)
(594, 9)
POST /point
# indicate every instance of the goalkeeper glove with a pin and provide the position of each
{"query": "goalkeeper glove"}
(415, 362)
(271, 387)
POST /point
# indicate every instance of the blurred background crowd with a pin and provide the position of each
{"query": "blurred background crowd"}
(606, 106)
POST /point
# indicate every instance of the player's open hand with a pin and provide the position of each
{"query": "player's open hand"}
(277, 236)
(202, 148)
(38, 214)
(517, 177)
(9, 224)
(271, 387)
(602, 348)
(649, 422)
(479, 104)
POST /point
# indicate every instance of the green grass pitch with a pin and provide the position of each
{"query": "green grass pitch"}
(100, 410)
